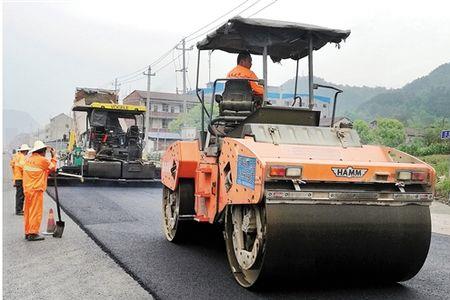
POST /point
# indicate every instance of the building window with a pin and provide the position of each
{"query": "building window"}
(67, 126)
(165, 108)
(155, 108)
(156, 123)
(165, 123)
(172, 109)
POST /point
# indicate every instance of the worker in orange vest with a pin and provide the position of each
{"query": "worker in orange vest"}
(242, 70)
(17, 162)
(35, 174)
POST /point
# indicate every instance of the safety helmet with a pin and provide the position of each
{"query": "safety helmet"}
(24, 147)
(38, 145)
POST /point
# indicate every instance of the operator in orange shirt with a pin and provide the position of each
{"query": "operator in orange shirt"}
(17, 162)
(35, 174)
(242, 70)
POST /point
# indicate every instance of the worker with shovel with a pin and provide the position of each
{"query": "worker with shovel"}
(35, 174)
(17, 163)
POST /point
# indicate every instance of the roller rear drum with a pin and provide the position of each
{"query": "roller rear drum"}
(285, 241)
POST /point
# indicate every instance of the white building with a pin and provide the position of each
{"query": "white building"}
(164, 107)
(58, 129)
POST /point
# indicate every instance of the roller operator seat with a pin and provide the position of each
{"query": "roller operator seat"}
(235, 104)
(237, 99)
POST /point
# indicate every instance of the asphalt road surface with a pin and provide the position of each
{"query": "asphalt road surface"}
(126, 223)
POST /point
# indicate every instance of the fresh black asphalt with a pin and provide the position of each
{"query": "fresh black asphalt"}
(126, 222)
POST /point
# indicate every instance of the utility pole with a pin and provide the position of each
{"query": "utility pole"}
(147, 106)
(311, 74)
(116, 88)
(184, 69)
(209, 65)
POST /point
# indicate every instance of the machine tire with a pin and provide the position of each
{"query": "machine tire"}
(246, 262)
(182, 203)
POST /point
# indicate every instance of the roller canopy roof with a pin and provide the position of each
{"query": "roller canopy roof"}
(283, 39)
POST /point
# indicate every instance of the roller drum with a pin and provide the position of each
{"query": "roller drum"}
(339, 242)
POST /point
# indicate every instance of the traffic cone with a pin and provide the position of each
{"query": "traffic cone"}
(51, 225)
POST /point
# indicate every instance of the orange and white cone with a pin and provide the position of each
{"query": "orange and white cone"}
(51, 225)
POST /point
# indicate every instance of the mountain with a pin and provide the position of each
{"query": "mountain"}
(420, 101)
(347, 102)
(16, 122)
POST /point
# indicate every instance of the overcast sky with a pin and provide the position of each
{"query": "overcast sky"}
(51, 47)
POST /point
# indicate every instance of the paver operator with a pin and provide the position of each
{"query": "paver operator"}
(242, 70)
(35, 174)
(17, 162)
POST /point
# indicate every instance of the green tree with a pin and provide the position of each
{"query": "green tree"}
(389, 132)
(364, 131)
(433, 131)
(193, 118)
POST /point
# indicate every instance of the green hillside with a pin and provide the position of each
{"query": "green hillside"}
(420, 102)
(348, 101)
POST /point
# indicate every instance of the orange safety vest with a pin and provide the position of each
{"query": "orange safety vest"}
(35, 172)
(243, 72)
(17, 163)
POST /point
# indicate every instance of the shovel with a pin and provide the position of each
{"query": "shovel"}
(59, 224)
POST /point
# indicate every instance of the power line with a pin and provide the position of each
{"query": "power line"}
(251, 5)
(176, 73)
(131, 77)
(133, 80)
(270, 4)
(199, 35)
(107, 84)
(210, 30)
(133, 73)
(164, 66)
(138, 72)
(215, 20)
(162, 57)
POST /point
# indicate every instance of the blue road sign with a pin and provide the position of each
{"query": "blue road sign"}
(445, 134)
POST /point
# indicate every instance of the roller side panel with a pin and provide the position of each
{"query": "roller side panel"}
(242, 175)
(179, 161)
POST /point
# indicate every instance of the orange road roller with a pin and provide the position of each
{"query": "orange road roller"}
(296, 200)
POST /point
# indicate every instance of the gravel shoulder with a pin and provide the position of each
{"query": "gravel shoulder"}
(440, 218)
(73, 267)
